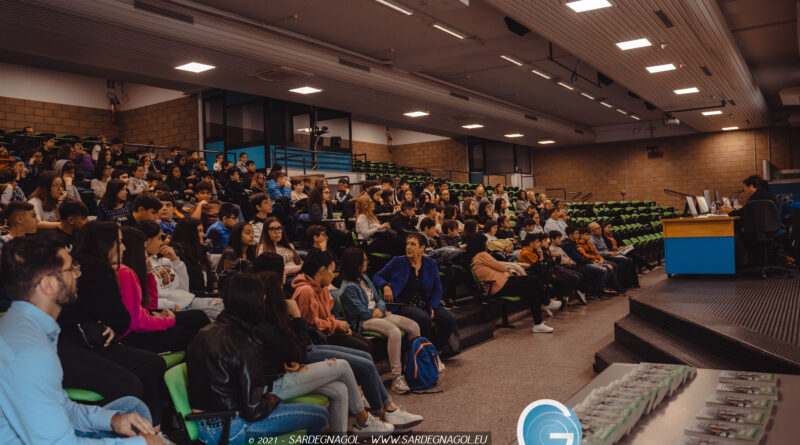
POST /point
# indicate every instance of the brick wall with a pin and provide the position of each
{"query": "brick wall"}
(688, 164)
(375, 152)
(448, 154)
(168, 123)
(56, 118)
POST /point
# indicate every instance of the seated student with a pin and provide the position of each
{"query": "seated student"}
(611, 243)
(261, 207)
(485, 213)
(531, 225)
(279, 185)
(281, 311)
(10, 187)
(497, 281)
(450, 236)
(166, 213)
(66, 170)
(227, 348)
(34, 409)
(249, 173)
(386, 208)
(207, 208)
(137, 183)
(468, 210)
(153, 178)
(258, 183)
(564, 281)
(546, 208)
(404, 221)
(432, 211)
(320, 209)
(499, 193)
(275, 241)
(554, 222)
(343, 192)
(297, 190)
(46, 198)
(399, 195)
(602, 272)
(429, 189)
(176, 181)
(115, 205)
(504, 229)
(187, 241)
(21, 219)
(501, 209)
(369, 229)
(241, 249)
(74, 215)
(413, 279)
(316, 304)
(470, 228)
(145, 208)
(625, 271)
(164, 331)
(445, 198)
(587, 248)
(91, 359)
(406, 195)
(234, 189)
(490, 230)
(427, 228)
(366, 311)
(219, 233)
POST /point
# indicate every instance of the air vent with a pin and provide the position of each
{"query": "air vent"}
(144, 6)
(459, 95)
(664, 19)
(705, 70)
(280, 74)
(533, 118)
(578, 131)
(354, 65)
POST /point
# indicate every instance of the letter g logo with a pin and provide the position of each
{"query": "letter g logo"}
(548, 422)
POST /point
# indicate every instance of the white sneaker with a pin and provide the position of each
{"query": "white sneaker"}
(399, 385)
(581, 296)
(373, 427)
(541, 327)
(402, 420)
(441, 366)
(547, 311)
(553, 306)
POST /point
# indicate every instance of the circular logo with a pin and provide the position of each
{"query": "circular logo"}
(548, 422)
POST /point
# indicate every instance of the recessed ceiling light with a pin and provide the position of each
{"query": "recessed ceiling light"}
(635, 117)
(687, 91)
(566, 86)
(588, 5)
(195, 67)
(712, 113)
(395, 7)
(621, 111)
(449, 31)
(305, 90)
(514, 61)
(541, 74)
(632, 44)
(547, 141)
(416, 113)
(514, 135)
(606, 104)
(472, 126)
(660, 68)
(730, 128)
(588, 96)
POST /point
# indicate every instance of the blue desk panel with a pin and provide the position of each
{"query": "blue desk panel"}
(708, 255)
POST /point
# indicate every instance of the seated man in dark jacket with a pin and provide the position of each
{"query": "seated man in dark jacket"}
(413, 280)
(404, 221)
(585, 264)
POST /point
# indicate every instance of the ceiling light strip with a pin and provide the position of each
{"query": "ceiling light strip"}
(395, 7)
(449, 31)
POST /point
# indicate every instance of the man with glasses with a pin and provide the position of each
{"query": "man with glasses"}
(41, 277)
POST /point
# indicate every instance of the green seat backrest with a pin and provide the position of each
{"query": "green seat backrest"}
(174, 358)
(175, 378)
(83, 395)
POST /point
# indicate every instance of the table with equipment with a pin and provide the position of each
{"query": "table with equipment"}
(703, 245)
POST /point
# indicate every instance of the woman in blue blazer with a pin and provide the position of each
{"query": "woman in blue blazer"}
(366, 311)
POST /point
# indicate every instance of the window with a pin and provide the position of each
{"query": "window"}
(523, 159)
(245, 124)
(499, 158)
(476, 157)
(214, 123)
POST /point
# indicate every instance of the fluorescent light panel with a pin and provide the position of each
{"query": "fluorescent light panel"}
(660, 68)
(305, 90)
(195, 67)
(687, 91)
(395, 7)
(472, 126)
(547, 141)
(514, 135)
(449, 31)
(606, 104)
(588, 5)
(515, 62)
(566, 86)
(712, 113)
(541, 74)
(730, 128)
(635, 117)
(633, 44)
(416, 113)
(588, 96)
(619, 110)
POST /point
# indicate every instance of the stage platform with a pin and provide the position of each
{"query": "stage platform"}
(712, 322)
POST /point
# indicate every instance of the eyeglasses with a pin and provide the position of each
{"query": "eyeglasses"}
(74, 268)
(275, 229)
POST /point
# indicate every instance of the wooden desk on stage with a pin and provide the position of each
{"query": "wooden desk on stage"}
(699, 245)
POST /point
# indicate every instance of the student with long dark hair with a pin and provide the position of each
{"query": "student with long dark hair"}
(89, 354)
(114, 205)
(275, 241)
(240, 247)
(46, 198)
(187, 241)
(366, 311)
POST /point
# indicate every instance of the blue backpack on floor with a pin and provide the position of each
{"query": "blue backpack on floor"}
(422, 371)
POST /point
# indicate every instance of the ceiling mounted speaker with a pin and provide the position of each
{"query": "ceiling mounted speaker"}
(516, 27)
(650, 106)
(605, 80)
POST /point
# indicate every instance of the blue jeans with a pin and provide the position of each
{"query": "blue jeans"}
(285, 418)
(123, 405)
(363, 368)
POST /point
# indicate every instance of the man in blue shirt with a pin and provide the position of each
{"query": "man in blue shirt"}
(41, 277)
(627, 273)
